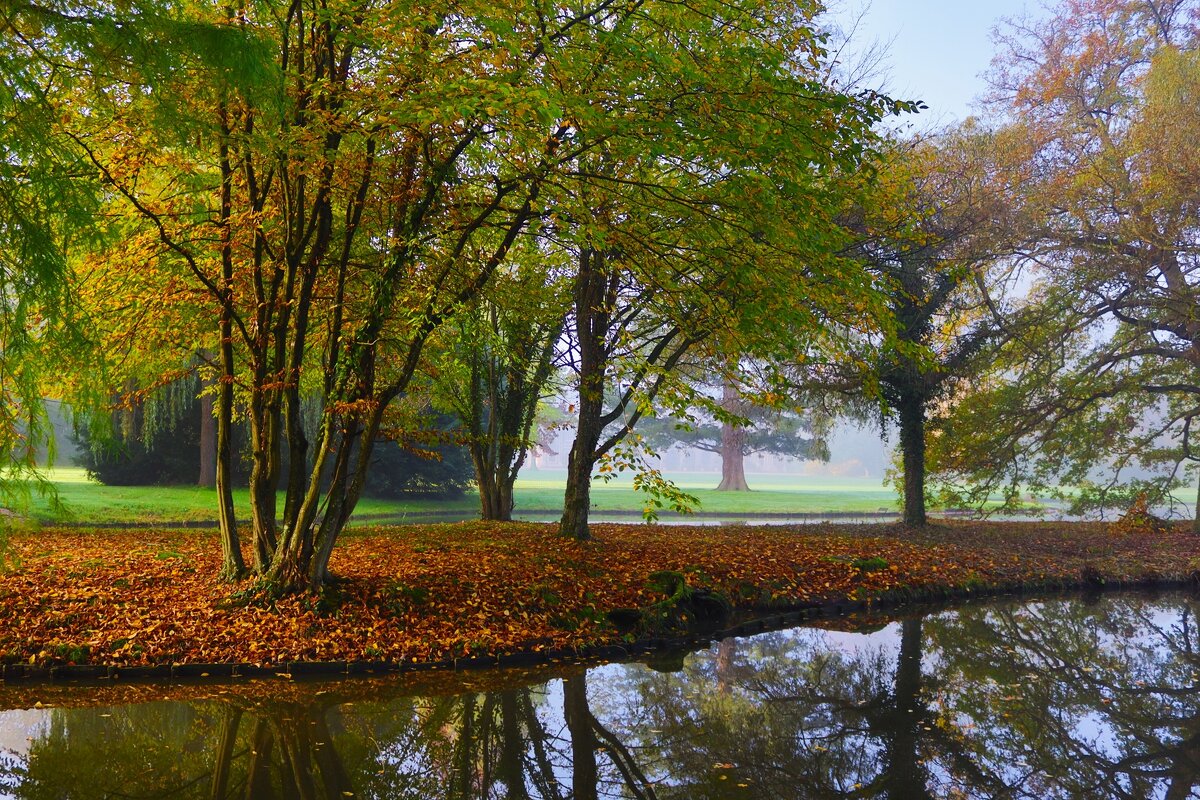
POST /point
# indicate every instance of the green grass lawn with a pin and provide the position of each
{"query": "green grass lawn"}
(537, 491)
(770, 494)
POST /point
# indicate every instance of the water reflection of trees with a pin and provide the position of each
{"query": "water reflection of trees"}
(1059, 699)
(520, 744)
(1070, 699)
(787, 715)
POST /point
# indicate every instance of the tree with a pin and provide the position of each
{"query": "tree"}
(700, 240)
(425, 458)
(1102, 102)
(735, 427)
(931, 236)
(332, 215)
(154, 439)
(493, 365)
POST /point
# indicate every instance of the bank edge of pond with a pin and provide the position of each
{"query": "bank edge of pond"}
(763, 619)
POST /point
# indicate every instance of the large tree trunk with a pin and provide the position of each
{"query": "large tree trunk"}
(912, 448)
(733, 459)
(592, 314)
(733, 444)
(494, 482)
(577, 500)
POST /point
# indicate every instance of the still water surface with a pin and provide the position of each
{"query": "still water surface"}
(1059, 698)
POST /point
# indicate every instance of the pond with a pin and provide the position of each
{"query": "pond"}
(1068, 697)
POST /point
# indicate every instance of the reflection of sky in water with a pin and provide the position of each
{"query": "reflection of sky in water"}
(1049, 699)
(17, 728)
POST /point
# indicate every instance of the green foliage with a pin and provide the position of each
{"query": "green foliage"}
(632, 454)
(153, 441)
(405, 598)
(671, 583)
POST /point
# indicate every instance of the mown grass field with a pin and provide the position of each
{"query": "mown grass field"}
(538, 493)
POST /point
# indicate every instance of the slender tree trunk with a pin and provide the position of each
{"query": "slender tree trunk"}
(208, 442)
(1196, 518)
(264, 478)
(912, 448)
(592, 309)
(578, 498)
(232, 565)
(584, 775)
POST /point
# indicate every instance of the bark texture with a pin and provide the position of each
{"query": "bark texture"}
(912, 446)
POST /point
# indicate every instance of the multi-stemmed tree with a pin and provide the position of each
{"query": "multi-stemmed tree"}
(308, 191)
(328, 215)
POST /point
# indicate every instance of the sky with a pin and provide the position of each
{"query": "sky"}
(938, 48)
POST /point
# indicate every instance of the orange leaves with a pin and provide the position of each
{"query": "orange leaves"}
(431, 592)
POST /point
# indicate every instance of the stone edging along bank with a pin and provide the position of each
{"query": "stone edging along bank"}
(764, 620)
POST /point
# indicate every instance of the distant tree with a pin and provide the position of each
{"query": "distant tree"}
(738, 428)
(150, 439)
(430, 462)
(153, 438)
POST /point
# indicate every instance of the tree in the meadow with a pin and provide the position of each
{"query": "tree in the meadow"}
(1100, 391)
(723, 237)
(734, 427)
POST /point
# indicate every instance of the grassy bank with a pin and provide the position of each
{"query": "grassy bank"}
(538, 492)
(422, 593)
